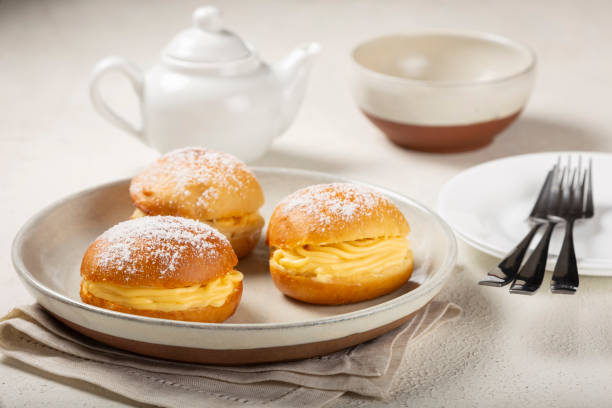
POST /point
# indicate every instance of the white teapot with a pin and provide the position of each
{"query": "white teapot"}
(211, 89)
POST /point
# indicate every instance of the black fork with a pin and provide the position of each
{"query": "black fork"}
(577, 203)
(506, 270)
(530, 276)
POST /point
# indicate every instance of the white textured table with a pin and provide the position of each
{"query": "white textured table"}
(507, 350)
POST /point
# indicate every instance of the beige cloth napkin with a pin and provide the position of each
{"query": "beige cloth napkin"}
(32, 336)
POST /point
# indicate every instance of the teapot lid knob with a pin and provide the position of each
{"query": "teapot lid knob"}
(208, 42)
(208, 18)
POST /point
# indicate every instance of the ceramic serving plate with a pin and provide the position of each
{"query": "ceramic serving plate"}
(487, 206)
(266, 327)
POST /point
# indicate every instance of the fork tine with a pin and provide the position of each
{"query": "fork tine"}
(589, 210)
(575, 201)
(581, 201)
(580, 187)
(556, 200)
(541, 204)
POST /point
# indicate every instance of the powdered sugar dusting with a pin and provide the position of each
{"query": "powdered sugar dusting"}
(195, 166)
(333, 203)
(160, 240)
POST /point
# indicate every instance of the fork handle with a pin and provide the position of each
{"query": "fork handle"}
(531, 274)
(506, 270)
(565, 276)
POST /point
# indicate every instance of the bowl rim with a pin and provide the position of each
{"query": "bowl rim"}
(436, 282)
(482, 35)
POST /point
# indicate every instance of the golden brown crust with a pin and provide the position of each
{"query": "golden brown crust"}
(158, 252)
(197, 183)
(330, 213)
(208, 314)
(309, 290)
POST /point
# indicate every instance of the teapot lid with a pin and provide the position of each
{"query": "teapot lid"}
(207, 41)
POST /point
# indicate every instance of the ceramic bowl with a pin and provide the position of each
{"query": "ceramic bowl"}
(442, 91)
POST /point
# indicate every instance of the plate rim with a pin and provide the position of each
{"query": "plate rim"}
(588, 268)
(446, 268)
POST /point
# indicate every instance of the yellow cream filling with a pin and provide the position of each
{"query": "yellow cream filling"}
(346, 260)
(137, 214)
(233, 222)
(213, 293)
(228, 226)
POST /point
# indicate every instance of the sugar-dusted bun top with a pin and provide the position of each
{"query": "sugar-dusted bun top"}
(331, 213)
(197, 183)
(158, 252)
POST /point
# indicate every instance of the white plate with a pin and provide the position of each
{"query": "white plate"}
(487, 206)
(267, 326)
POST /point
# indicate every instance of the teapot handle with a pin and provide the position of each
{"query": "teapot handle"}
(134, 74)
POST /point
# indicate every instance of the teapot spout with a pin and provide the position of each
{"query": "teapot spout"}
(293, 72)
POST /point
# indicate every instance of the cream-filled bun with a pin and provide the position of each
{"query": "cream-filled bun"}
(166, 267)
(338, 243)
(211, 187)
